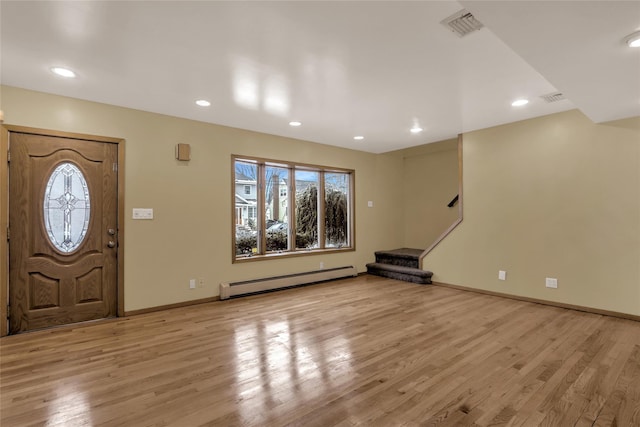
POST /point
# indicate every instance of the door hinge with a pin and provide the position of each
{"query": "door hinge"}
(8, 156)
(115, 167)
(8, 233)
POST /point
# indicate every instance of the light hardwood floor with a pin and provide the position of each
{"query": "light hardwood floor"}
(364, 351)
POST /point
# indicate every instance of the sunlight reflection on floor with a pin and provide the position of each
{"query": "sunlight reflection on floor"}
(69, 408)
(277, 362)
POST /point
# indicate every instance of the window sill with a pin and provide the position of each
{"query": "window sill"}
(290, 254)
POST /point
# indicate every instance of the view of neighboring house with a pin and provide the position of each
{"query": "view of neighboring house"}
(246, 201)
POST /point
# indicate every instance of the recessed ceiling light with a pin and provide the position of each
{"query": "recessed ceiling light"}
(64, 72)
(295, 124)
(520, 102)
(203, 102)
(633, 40)
(416, 129)
(358, 138)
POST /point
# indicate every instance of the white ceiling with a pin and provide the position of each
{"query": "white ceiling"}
(341, 68)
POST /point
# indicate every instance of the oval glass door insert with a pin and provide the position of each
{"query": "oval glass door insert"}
(66, 207)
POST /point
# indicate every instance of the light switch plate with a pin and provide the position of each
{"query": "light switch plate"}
(370, 203)
(551, 282)
(502, 275)
(140, 213)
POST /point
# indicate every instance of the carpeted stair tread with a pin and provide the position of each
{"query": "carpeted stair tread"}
(400, 264)
(408, 253)
(400, 269)
(408, 274)
(406, 257)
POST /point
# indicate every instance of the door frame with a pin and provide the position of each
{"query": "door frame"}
(4, 211)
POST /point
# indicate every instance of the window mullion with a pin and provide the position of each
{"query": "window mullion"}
(321, 212)
(351, 235)
(292, 209)
(262, 227)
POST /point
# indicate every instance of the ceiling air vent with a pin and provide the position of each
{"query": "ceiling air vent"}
(553, 97)
(462, 23)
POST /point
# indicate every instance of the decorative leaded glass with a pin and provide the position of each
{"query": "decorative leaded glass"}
(66, 207)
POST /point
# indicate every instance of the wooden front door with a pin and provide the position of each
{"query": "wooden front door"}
(63, 230)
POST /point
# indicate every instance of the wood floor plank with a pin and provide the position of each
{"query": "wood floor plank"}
(366, 351)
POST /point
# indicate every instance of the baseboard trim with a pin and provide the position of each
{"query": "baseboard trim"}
(170, 306)
(543, 302)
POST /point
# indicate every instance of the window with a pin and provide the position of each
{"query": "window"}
(290, 209)
(246, 224)
(276, 212)
(336, 209)
(307, 183)
(66, 207)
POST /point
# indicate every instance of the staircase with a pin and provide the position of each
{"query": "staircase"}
(401, 264)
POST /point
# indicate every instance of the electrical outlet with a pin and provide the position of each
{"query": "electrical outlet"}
(502, 275)
(551, 282)
(201, 282)
(192, 283)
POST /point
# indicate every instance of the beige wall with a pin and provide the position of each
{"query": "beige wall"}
(430, 181)
(190, 236)
(556, 196)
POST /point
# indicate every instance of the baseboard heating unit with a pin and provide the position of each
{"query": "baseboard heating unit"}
(234, 289)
